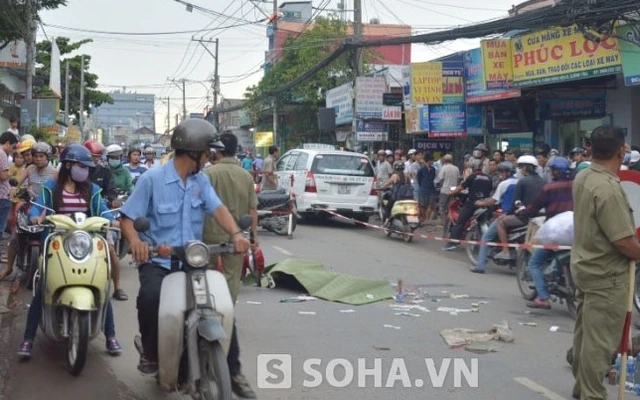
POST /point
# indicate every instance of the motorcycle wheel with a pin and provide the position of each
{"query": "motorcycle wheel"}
(34, 253)
(215, 380)
(407, 235)
(572, 303)
(523, 276)
(283, 230)
(473, 249)
(253, 269)
(78, 342)
(636, 295)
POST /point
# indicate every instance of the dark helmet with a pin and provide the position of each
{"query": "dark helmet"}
(507, 166)
(482, 147)
(398, 166)
(77, 153)
(195, 134)
(577, 150)
(560, 164)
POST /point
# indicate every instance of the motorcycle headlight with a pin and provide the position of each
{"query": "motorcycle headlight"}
(78, 244)
(197, 254)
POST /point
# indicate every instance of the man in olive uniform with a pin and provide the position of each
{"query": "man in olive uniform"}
(235, 188)
(604, 241)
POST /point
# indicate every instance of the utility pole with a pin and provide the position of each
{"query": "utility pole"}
(30, 39)
(216, 78)
(357, 35)
(184, 102)
(168, 114)
(275, 54)
(66, 92)
(82, 95)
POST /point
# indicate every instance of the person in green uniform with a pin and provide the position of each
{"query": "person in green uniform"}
(604, 241)
(121, 176)
(235, 188)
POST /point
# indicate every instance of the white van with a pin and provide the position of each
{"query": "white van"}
(321, 177)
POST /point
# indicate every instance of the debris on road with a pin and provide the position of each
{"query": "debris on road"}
(459, 296)
(392, 327)
(407, 307)
(408, 314)
(254, 302)
(452, 310)
(298, 299)
(528, 323)
(483, 347)
(382, 348)
(554, 328)
(348, 311)
(307, 312)
(461, 337)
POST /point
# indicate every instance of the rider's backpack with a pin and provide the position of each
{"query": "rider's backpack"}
(403, 191)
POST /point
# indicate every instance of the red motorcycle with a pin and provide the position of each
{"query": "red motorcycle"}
(253, 263)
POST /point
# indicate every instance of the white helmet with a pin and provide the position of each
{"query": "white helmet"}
(27, 137)
(530, 160)
(412, 151)
(114, 150)
(389, 152)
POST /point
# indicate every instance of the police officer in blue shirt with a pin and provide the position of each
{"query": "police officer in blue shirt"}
(175, 198)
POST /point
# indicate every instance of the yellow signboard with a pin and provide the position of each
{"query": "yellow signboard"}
(263, 139)
(562, 54)
(426, 83)
(496, 59)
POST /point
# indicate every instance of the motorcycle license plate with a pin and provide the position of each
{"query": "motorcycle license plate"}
(412, 219)
(344, 189)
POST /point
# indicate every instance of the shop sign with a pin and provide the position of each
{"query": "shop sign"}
(263, 139)
(505, 119)
(392, 99)
(426, 83)
(453, 85)
(448, 120)
(524, 144)
(369, 93)
(392, 113)
(584, 105)
(630, 49)
(432, 145)
(369, 131)
(340, 98)
(496, 60)
(562, 54)
(475, 91)
(475, 114)
(416, 119)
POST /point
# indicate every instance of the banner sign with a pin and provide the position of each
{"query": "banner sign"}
(475, 91)
(416, 119)
(369, 92)
(392, 113)
(453, 85)
(434, 145)
(392, 99)
(369, 131)
(340, 98)
(14, 55)
(562, 54)
(496, 60)
(630, 51)
(426, 83)
(505, 119)
(263, 139)
(475, 115)
(448, 120)
(585, 106)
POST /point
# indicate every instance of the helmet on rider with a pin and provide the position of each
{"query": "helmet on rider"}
(193, 137)
(27, 137)
(25, 145)
(578, 150)
(506, 166)
(476, 165)
(114, 150)
(528, 160)
(480, 150)
(76, 153)
(41, 148)
(95, 148)
(560, 164)
(398, 166)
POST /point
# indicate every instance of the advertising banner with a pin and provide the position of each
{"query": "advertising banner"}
(416, 119)
(562, 54)
(496, 60)
(263, 139)
(505, 119)
(448, 120)
(426, 83)
(370, 131)
(475, 91)
(369, 92)
(475, 115)
(585, 106)
(630, 51)
(453, 85)
(340, 98)
(437, 147)
(392, 113)
(14, 55)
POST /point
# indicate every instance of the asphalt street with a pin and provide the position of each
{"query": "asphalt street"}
(533, 367)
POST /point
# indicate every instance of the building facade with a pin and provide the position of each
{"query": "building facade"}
(13, 73)
(128, 113)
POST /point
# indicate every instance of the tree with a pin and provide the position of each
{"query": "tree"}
(92, 96)
(298, 55)
(14, 21)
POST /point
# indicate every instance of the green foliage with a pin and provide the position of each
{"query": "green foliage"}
(41, 134)
(13, 17)
(43, 60)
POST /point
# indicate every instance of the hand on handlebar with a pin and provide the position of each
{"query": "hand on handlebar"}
(37, 220)
(140, 251)
(241, 243)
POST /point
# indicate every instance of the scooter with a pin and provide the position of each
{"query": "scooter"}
(404, 218)
(121, 245)
(195, 320)
(27, 260)
(276, 211)
(75, 272)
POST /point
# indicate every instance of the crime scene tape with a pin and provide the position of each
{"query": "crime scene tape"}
(458, 241)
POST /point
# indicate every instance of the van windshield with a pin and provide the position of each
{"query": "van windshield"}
(336, 164)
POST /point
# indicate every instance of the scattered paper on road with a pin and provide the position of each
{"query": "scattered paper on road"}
(392, 326)
(298, 299)
(307, 312)
(452, 310)
(254, 302)
(348, 311)
(459, 296)
(407, 307)
(461, 337)
(554, 329)
(528, 323)
(408, 314)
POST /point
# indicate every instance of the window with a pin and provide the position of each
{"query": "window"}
(301, 163)
(282, 162)
(293, 157)
(337, 164)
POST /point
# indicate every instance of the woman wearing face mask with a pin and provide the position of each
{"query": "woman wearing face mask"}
(121, 176)
(72, 192)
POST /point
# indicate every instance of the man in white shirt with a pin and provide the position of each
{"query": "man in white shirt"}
(448, 177)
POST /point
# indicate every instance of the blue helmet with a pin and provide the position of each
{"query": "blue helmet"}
(77, 153)
(560, 164)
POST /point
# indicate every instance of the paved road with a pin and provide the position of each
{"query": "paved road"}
(531, 368)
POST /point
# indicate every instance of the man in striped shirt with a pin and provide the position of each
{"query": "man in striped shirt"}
(556, 197)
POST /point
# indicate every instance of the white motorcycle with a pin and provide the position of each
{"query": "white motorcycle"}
(195, 321)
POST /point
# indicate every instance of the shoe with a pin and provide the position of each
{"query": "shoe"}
(450, 247)
(120, 295)
(575, 396)
(148, 367)
(241, 388)
(26, 348)
(502, 256)
(539, 303)
(476, 270)
(113, 347)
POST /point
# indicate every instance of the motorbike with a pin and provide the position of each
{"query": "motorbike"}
(27, 259)
(121, 245)
(195, 320)
(454, 212)
(557, 276)
(75, 272)
(404, 218)
(276, 211)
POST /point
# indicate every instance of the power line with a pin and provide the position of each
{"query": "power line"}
(154, 33)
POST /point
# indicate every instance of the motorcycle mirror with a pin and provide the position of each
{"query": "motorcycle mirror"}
(141, 224)
(13, 182)
(245, 222)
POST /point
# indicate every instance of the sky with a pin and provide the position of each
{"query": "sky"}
(148, 63)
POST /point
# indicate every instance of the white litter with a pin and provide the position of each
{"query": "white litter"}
(459, 296)
(407, 307)
(254, 302)
(369, 297)
(348, 311)
(408, 314)
(527, 323)
(452, 310)
(554, 329)
(306, 298)
(417, 301)
(307, 312)
(391, 326)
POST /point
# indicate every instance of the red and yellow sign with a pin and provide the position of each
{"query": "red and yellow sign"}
(496, 60)
(426, 83)
(562, 54)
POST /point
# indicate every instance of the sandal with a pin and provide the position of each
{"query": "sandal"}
(120, 295)
(539, 303)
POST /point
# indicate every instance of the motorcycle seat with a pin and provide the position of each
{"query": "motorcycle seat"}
(270, 199)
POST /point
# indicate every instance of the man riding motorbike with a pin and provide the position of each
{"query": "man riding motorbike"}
(121, 176)
(556, 197)
(527, 188)
(480, 186)
(175, 198)
(401, 188)
(504, 197)
(71, 192)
